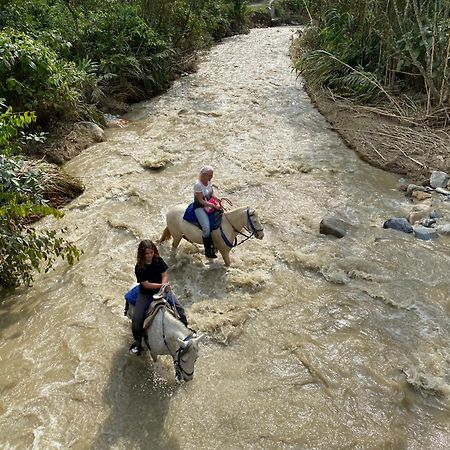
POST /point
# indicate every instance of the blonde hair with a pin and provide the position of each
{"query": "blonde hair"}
(206, 169)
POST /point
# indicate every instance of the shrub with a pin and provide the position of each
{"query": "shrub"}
(24, 249)
(33, 77)
(132, 56)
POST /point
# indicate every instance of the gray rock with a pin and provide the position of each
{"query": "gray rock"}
(428, 222)
(436, 214)
(414, 187)
(399, 224)
(444, 229)
(93, 130)
(442, 191)
(424, 233)
(439, 179)
(334, 226)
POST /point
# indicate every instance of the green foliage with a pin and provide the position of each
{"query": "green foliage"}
(61, 58)
(24, 249)
(133, 59)
(33, 77)
(399, 44)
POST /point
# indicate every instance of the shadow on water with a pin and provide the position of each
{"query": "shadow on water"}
(138, 401)
(12, 314)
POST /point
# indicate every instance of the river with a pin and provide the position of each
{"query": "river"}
(312, 342)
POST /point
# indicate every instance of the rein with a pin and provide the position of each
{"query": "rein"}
(177, 360)
(252, 233)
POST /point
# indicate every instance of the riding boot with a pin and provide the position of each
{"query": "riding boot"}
(209, 249)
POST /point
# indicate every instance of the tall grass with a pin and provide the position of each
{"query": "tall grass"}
(363, 45)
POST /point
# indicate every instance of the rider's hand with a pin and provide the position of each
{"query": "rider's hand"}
(168, 288)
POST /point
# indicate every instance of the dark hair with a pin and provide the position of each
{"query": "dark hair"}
(143, 246)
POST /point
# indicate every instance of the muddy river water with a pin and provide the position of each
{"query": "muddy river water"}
(312, 342)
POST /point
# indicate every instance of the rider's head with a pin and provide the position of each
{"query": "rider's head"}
(206, 172)
(146, 253)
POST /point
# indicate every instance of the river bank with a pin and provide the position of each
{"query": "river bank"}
(392, 135)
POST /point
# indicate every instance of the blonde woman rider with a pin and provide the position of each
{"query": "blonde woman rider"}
(204, 198)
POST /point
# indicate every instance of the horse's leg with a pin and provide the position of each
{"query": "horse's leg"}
(175, 241)
(226, 256)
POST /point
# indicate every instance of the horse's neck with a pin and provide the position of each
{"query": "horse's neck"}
(235, 220)
(173, 329)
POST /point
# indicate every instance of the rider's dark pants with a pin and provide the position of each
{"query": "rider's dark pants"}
(140, 308)
(142, 303)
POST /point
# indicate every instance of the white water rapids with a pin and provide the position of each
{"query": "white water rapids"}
(313, 342)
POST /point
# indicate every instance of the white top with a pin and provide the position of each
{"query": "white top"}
(207, 191)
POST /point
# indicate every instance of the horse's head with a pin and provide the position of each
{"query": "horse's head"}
(187, 354)
(254, 224)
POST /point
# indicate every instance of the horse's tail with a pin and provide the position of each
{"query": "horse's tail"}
(165, 235)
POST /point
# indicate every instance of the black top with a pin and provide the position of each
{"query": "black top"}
(151, 273)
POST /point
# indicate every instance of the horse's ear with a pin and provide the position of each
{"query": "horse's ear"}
(199, 338)
(183, 344)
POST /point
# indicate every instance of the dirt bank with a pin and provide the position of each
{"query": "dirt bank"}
(395, 135)
(410, 149)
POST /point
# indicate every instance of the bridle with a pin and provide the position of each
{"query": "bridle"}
(250, 228)
(179, 371)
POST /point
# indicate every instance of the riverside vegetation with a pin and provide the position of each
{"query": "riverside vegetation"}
(379, 72)
(62, 61)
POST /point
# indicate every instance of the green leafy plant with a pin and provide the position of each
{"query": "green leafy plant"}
(33, 77)
(24, 249)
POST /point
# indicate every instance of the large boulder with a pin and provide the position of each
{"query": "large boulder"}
(399, 224)
(333, 226)
(439, 179)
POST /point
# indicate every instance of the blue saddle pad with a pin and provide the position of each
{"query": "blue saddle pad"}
(132, 295)
(215, 218)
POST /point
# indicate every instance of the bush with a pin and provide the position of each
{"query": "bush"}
(132, 56)
(33, 77)
(24, 249)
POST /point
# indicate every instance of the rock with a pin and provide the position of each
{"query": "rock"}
(334, 226)
(414, 187)
(425, 234)
(418, 214)
(116, 123)
(436, 214)
(428, 222)
(93, 130)
(439, 179)
(156, 164)
(442, 191)
(420, 195)
(444, 229)
(399, 224)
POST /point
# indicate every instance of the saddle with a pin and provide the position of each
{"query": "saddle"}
(153, 309)
(215, 217)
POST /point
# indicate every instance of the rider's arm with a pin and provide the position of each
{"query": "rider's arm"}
(164, 280)
(201, 199)
(149, 285)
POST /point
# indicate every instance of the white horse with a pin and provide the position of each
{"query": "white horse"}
(168, 336)
(224, 238)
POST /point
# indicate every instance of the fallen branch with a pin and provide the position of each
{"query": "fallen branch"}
(377, 152)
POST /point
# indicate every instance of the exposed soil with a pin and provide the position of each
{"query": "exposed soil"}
(400, 139)
(410, 149)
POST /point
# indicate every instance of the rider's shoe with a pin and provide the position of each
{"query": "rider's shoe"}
(136, 348)
(209, 247)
